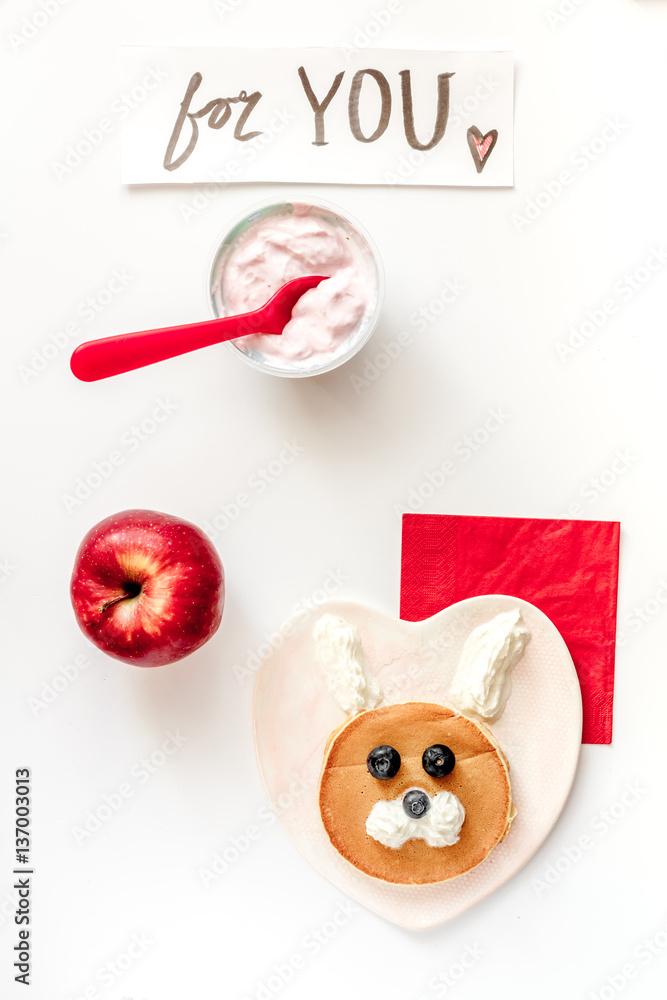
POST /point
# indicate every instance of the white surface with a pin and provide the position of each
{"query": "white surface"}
(585, 433)
(539, 732)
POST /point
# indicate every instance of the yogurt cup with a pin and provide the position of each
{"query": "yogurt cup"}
(275, 242)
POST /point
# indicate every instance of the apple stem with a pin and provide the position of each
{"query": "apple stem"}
(131, 590)
(109, 604)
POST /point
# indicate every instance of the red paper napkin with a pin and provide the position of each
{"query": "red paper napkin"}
(568, 569)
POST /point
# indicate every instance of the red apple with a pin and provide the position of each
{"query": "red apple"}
(147, 588)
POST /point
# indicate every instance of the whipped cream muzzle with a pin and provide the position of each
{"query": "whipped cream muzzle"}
(392, 824)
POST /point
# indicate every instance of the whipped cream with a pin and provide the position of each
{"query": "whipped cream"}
(278, 248)
(349, 679)
(440, 826)
(482, 682)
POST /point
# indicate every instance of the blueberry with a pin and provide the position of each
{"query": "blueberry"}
(416, 803)
(438, 760)
(383, 762)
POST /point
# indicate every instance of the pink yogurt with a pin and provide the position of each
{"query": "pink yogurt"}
(291, 240)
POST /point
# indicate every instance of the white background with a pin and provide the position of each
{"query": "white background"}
(597, 415)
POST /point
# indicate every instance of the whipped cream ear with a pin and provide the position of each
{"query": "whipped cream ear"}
(342, 659)
(482, 682)
(440, 825)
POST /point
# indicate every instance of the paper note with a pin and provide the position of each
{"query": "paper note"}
(318, 115)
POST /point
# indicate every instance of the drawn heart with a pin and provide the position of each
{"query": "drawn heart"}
(539, 733)
(481, 145)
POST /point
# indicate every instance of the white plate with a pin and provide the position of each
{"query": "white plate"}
(539, 732)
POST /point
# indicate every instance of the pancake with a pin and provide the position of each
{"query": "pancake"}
(348, 792)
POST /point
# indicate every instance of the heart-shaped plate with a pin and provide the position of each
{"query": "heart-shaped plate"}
(539, 733)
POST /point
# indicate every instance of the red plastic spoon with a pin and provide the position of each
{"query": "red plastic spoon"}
(98, 359)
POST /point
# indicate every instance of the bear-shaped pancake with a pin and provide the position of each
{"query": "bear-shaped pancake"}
(412, 793)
